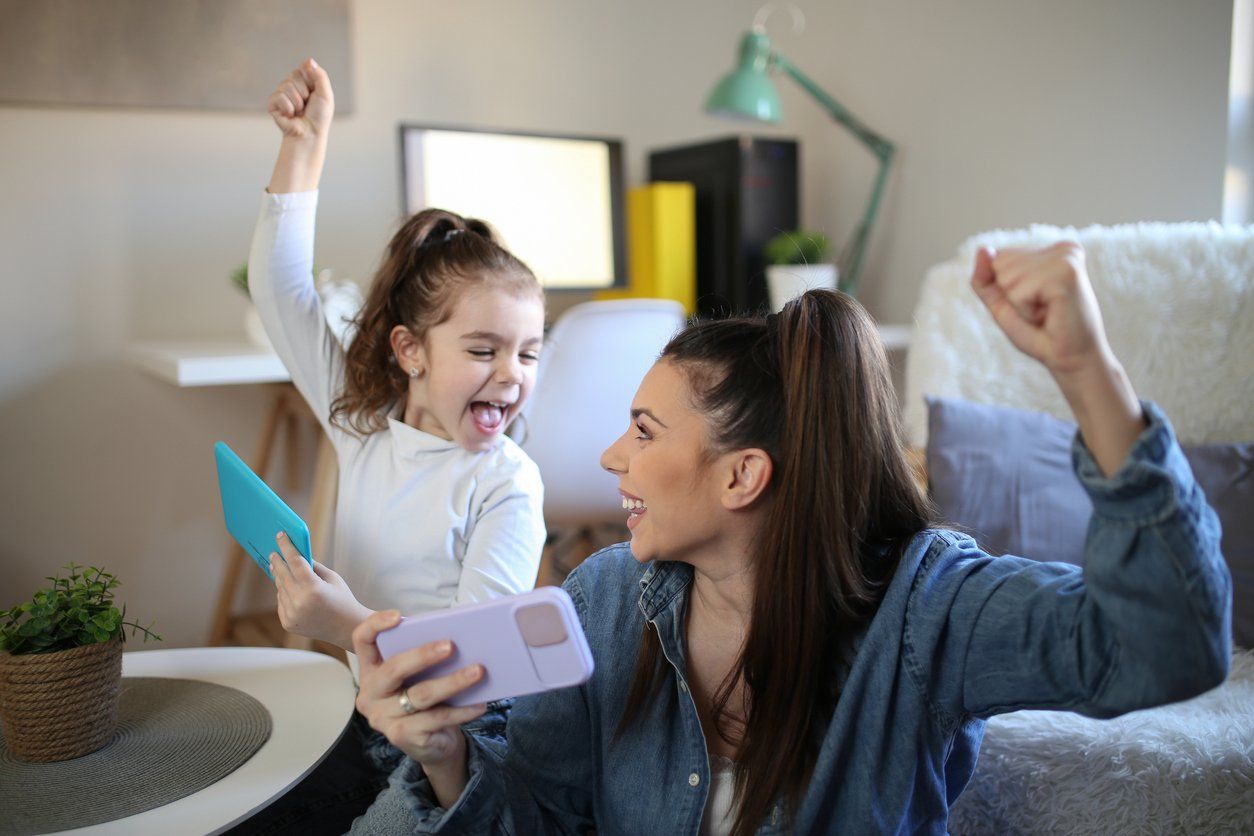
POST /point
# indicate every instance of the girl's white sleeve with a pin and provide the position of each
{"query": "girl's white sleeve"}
(280, 281)
(503, 554)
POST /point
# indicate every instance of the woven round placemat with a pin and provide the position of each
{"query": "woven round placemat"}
(174, 737)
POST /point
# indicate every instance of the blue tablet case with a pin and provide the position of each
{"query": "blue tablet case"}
(254, 514)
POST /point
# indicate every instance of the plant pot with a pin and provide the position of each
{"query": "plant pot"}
(61, 705)
(255, 330)
(785, 282)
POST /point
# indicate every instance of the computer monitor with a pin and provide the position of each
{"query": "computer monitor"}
(557, 201)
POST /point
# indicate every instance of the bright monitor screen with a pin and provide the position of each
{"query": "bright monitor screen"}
(555, 200)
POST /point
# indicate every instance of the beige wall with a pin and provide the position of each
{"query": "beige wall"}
(123, 224)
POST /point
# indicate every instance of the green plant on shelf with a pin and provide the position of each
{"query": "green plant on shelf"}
(797, 247)
(72, 612)
(239, 278)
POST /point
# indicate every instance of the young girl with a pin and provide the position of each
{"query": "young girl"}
(436, 506)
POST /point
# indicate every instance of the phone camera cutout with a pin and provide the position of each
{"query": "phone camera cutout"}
(541, 625)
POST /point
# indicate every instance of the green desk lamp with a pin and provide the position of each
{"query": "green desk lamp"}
(748, 93)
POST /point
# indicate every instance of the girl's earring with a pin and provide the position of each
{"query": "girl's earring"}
(414, 373)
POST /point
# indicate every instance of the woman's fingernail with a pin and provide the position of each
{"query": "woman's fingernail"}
(445, 646)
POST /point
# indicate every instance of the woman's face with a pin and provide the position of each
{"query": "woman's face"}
(670, 488)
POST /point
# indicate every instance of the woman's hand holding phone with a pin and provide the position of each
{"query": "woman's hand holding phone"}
(415, 719)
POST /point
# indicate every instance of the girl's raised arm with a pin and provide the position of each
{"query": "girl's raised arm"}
(280, 262)
(302, 106)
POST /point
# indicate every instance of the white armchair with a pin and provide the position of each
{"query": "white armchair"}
(1178, 305)
(592, 362)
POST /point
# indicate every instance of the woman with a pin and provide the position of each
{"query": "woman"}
(785, 619)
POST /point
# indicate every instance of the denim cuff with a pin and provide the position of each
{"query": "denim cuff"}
(1144, 489)
(469, 813)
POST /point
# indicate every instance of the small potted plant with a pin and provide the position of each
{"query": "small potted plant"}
(341, 300)
(61, 667)
(796, 265)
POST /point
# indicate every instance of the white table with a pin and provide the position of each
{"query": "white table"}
(310, 699)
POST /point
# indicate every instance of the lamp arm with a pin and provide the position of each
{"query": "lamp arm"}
(884, 150)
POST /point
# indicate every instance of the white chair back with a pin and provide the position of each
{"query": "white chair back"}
(592, 363)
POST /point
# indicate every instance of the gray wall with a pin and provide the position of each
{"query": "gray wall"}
(120, 225)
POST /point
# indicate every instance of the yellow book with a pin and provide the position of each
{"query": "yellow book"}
(661, 244)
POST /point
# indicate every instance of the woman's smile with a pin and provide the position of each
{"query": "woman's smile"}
(635, 508)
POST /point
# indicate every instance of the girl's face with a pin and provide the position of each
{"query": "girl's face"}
(478, 367)
(670, 487)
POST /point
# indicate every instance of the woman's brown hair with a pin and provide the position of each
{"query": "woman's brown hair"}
(811, 387)
(431, 258)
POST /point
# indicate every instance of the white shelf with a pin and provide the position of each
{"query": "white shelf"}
(896, 337)
(209, 364)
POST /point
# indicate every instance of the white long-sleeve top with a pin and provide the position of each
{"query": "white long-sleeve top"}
(420, 523)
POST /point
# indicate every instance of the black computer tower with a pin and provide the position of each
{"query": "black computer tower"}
(746, 192)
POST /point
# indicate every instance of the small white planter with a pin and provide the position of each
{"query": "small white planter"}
(341, 300)
(255, 330)
(785, 282)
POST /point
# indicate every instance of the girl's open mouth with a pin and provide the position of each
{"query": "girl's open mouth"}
(488, 416)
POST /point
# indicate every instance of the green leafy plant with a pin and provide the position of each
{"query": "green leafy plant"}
(797, 247)
(74, 611)
(239, 278)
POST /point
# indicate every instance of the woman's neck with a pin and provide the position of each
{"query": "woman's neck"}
(723, 594)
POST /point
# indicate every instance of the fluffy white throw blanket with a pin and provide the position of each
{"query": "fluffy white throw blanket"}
(1182, 768)
(1178, 304)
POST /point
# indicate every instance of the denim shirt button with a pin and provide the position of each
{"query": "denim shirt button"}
(683, 686)
(694, 779)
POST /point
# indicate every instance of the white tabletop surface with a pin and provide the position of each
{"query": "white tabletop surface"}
(896, 337)
(310, 700)
(209, 364)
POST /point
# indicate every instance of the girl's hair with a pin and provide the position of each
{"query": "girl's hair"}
(811, 387)
(433, 257)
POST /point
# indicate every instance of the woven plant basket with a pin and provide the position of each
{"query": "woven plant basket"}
(60, 705)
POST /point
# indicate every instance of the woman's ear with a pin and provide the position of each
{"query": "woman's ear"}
(408, 351)
(748, 476)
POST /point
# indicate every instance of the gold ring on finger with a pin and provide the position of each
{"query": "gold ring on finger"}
(406, 706)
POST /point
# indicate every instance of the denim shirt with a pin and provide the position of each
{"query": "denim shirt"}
(958, 637)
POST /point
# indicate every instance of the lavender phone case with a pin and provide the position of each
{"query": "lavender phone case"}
(526, 643)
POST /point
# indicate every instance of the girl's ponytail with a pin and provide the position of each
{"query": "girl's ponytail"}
(433, 255)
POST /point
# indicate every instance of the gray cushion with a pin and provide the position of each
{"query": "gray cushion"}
(1004, 475)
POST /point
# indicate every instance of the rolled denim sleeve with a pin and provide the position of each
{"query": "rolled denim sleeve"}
(537, 779)
(1146, 621)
